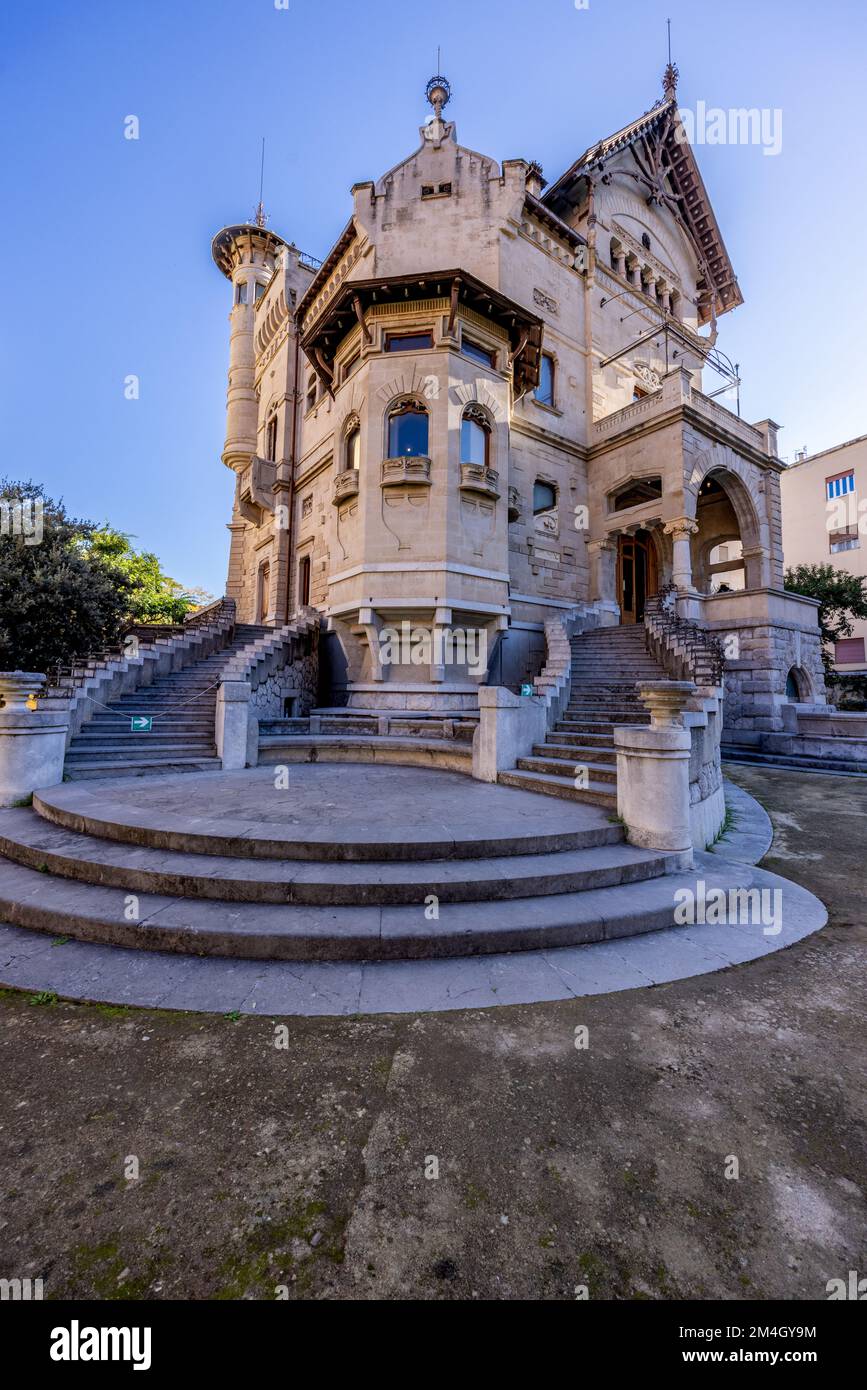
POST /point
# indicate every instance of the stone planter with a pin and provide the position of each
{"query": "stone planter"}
(32, 742)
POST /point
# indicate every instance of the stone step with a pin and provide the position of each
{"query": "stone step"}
(597, 773)
(109, 754)
(272, 832)
(802, 762)
(596, 742)
(596, 794)
(123, 738)
(579, 753)
(266, 931)
(27, 839)
(108, 724)
(140, 767)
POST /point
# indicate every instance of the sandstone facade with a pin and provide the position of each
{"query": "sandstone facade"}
(486, 405)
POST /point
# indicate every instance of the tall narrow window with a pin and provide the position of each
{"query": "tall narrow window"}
(475, 437)
(353, 448)
(544, 392)
(408, 431)
(271, 439)
(241, 292)
(260, 290)
(304, 581)
(311, 392)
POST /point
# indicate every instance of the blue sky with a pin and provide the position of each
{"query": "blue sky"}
(107, 241)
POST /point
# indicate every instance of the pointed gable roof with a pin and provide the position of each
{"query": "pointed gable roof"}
(668, 173)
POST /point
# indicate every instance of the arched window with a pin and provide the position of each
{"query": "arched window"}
(408, 431)
(352, 448)
(475, 437)
(544, 497)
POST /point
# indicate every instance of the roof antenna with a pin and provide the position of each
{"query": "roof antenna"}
(260, 217)
(671, 74)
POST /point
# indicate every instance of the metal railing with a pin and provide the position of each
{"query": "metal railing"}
(686, 650)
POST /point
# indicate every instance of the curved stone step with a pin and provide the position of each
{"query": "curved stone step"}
(196, 822)
(263, 931)
(28, 840)
(596, 794)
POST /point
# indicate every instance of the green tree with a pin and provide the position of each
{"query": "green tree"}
(155, 597)
(842, 598)
(68, 586)
(56, 599)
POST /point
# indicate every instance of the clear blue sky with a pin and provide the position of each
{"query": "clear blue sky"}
(107, 241)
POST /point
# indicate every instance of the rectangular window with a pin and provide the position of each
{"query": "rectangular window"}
(349, 366)
(241, 292)
(840, 485)
(847, 539)
(260, 290)
(478, 353)
(408, 342)
(849, 650)
(544, 392)
(311, 393)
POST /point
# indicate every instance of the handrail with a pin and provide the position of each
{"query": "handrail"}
(687, 650)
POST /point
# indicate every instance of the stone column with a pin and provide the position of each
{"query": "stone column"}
(653, 771)
(603, 556)
(32, 741)
(680, 529)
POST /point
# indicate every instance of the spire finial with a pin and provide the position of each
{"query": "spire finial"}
(260, 217)
(438, 93)
(671, 74)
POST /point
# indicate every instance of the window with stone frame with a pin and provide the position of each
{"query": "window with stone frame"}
(352, 448)
(544, 392)
(271, 439)
(475, 437)
(408, 430)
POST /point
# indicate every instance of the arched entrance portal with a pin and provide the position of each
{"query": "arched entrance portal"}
(637, 574)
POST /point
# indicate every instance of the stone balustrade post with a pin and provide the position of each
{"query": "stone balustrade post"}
(233, 724)
(32, 741)
(653, 770)
(509, 726)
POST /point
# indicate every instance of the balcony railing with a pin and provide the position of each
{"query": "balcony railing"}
(403, 472)
(676, 391)
(345, 486)
(475, 477)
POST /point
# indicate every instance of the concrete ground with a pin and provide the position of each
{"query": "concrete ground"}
(300, 1156)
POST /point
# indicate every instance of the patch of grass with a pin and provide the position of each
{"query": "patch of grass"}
(233, 1016)
(60, 940)
(45, 996)
(25, 801)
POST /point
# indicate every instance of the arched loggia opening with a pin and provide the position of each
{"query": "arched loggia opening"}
(726, 546)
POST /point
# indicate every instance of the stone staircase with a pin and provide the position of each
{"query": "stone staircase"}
(182, 705)
(577, 761)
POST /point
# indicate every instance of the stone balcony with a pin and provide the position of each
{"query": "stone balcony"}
(475, 477)
(676, 391)
(406, 472)
(345, 486)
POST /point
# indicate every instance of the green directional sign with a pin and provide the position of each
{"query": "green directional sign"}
(140, 724)
(526, 690)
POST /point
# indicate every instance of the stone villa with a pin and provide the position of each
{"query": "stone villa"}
(486, 405)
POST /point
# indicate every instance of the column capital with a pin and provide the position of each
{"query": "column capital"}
(680, 527)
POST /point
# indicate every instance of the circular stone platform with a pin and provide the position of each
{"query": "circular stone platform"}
(536, 873)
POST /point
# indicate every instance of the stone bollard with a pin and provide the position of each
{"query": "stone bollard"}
(232, 725)
(32, 742)
(653, 770)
